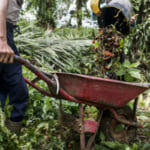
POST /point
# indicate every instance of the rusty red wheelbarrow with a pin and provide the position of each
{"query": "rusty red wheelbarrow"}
(109, 96)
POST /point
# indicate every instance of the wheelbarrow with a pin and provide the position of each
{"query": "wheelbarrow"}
(109, 96)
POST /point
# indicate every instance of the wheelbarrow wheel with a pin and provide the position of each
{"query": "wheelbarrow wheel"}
(114, 130)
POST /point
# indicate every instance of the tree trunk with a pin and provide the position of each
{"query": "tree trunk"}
(79, 12)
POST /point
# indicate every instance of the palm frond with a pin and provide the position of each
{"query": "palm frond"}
(52, 48)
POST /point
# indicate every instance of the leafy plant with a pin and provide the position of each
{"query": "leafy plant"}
(6, 136)
(129, 71)
(50, 48)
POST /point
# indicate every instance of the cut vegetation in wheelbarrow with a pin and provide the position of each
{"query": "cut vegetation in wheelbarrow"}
(108, 48)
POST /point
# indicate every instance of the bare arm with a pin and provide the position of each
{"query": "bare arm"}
(6, 53)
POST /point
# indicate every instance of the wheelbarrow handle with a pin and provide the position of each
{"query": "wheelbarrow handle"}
(51, 84)
(35, 70)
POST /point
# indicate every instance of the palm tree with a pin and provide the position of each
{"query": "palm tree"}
(79, 5)
(46, 12)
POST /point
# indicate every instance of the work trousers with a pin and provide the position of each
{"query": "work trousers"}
(12, 83)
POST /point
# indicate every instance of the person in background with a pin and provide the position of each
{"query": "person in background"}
(12, 83)
(116, 12)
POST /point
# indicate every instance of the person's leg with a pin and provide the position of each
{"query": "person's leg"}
(16, 86)
(3, 96)
(18, 96)
(3, 92)
(17, 90)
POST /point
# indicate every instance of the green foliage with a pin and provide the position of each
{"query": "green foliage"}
(46, 12)
(115, 145)
(7, 139)
(138, 44)
(129, 71)
(63, 49)
(79, 11)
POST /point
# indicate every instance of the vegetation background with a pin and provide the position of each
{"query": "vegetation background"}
(67, 48)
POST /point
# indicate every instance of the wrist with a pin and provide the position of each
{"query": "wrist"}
(3, 39)
(3, 31)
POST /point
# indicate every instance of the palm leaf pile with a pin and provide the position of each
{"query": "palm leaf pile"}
(58, 50)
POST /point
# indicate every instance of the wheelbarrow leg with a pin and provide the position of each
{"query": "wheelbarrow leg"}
(60, 118)
(82, 134)
(90, 144)
(134, 109)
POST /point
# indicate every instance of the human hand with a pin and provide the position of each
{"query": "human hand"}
(6, 53)
(133, 18)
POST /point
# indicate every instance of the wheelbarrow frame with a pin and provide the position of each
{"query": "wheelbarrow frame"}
(51, 81)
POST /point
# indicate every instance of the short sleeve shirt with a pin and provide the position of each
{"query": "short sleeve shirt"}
(14, 10)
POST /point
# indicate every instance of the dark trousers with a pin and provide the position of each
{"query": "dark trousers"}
(12, 83)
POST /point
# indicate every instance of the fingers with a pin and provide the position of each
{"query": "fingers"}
(135, 16)
(5, 60)
(2, 56)
(6, 54)
(8, 58)
(11, 59)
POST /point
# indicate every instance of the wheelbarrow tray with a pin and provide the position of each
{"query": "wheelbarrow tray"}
(87, 89)
(99, 90)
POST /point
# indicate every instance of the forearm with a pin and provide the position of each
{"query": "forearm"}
(6, 53)
(3, 12)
